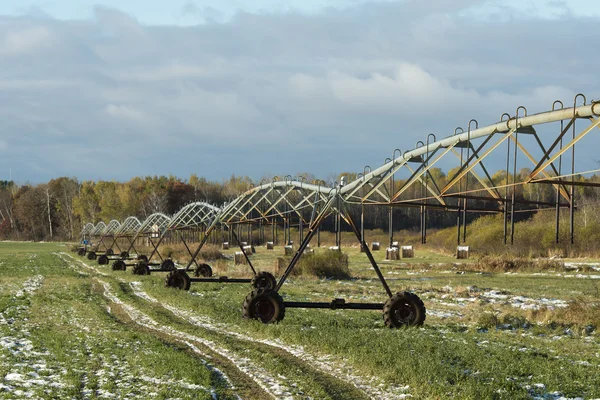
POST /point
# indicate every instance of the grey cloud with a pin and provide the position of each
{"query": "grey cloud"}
(278, 93)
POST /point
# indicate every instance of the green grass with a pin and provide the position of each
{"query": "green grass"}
(31, 247)
(457, 354)
(69, 339)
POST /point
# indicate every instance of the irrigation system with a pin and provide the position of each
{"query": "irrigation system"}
(544, 142)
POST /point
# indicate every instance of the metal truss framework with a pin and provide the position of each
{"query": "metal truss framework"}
(127, 230)
(152, 228)
(96, 233)
(87, 230)
(107, 233)
(406, 180)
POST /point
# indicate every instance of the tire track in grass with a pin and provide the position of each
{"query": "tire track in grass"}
(373, 387)
(274, 387)
(336, 368)
(121, 311)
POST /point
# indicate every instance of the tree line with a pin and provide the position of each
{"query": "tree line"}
(56, 210)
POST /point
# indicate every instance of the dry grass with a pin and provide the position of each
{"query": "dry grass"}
(508, 263)
(325, 264)
(209, 253)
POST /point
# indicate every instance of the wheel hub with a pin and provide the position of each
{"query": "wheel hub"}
(404, 313)
(264, 310)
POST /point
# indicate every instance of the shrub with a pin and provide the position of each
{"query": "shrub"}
(325, 264)
(73, 247)
(508, 263)
(211, 253)
(487, 320)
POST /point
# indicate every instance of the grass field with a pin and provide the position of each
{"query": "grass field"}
(71, 328)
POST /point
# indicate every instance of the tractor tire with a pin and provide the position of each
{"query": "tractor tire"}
(265, 305)
(404, 309)
(124, 254)
(141, 269)
(178, 279)
(264, 280)
(143, 258)
(203, 270)
(168, 265)
(109, 252)
(81, 252)
(91, 255)
(103, 259)
(119, 265)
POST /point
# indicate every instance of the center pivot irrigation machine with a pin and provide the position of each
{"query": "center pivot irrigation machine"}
(106, 234)
(189, 225)
(151, 229)
(545, 142)
(93, 236)
(86, 233)
(318, 202)
(127, 230)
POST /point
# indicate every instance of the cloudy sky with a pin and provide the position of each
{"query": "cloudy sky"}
(111, 89)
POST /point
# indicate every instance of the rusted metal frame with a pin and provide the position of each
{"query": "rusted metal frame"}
(556, 142)
(97, 234)
(187, 247)
(384, 178)
(466, 166)
(563, 192)
(312, 229)
(108, 232)
(155, 247)
(479, 158)
(437, 195)
(148, 223)
(162, 236)
(244, 252)
(556, 171)
(112, 243)
(489, 186)
(423, 168)
(346, 217)
(538, 169)
(212, 227)
(132, 244)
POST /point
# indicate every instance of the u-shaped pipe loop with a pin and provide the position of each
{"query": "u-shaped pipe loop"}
(557, 102)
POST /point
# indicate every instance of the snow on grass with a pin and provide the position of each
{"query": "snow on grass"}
(29, 374)
(450, 299)
(372, 386)
(275, 386)
(334, 366)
